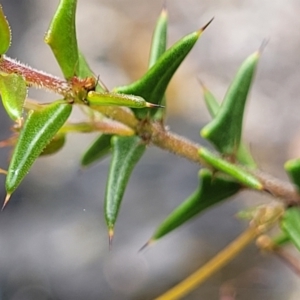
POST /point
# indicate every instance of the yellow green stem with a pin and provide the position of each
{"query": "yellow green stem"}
(216, 263)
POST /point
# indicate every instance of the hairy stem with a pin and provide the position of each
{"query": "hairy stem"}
(171, 142)
(152, 132)
(35, 78)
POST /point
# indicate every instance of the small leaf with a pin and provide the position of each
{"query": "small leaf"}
(235, 171)
(38, 130)
(13, 92)
(61, 37)
(104, 99)
(290, 224)
(5, 33)
(293, 169)
(212, 189)
(243, 154)
(225, 130)
(158, 47)
(126, 152)
(211, 102)
(105, 125)
(54, 145)
(159, 39)
(100, 148)
(153, 84)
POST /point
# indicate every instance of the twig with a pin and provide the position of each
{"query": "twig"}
(221, 259)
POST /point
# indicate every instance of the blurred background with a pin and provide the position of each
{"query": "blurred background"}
(53, 239)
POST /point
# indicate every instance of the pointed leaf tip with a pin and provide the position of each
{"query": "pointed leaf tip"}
(153, 84)
(110, 238)
(263, 45)
(205, 26)
(146, 245)
(225, 130)
(126, 152)
(5, 201)
(203, 86)
(164, 11)
(243, 154)
(151, 105)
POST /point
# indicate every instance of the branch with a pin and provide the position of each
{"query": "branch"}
(216, 263)
(178, 145)
(35, 78)
(152, 132)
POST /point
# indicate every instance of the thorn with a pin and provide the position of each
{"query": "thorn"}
(101, 84)
(150, 242)
(263, 45)
(203, 86)
(110, 238)
(5, 201)
(151, 105)
(143, 247)
(164, 11)
(206, 25)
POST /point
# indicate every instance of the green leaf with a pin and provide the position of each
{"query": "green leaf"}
(158, 47)
(54, 145)
(13, 92)
(290, 224)
(153, 84)
(108, 99)
(243, 154)
(293, 169)
(211, 102)
(61, 37)
(5, 33)
(100, 148)
(225, 130)
(38, 130)
(211, 190)
(126, 152)
(235, 171)
(159, 39)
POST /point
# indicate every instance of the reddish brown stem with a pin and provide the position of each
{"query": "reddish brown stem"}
(35, 78)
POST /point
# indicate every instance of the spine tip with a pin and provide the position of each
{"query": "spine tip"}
(150, 242)
(205, 26)
(5, 201)
(110, 238)
(152, 105)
